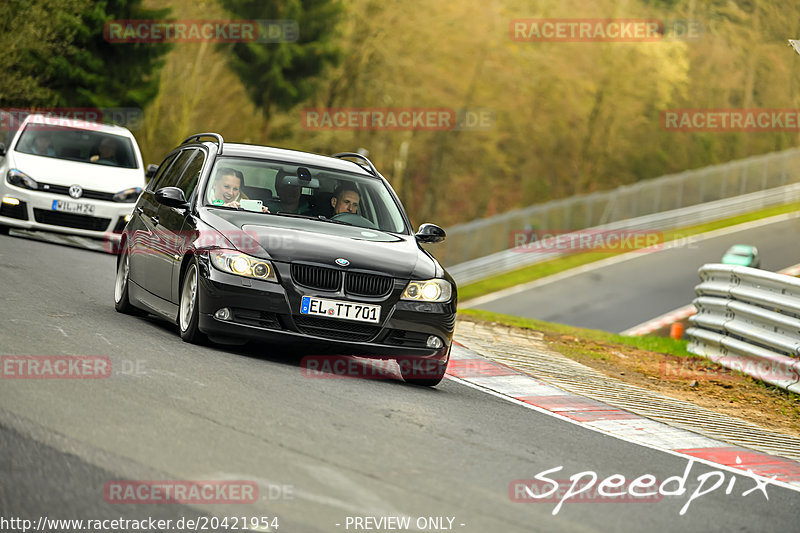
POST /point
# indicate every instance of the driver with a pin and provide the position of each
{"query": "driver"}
(345, 200)
(43, 145)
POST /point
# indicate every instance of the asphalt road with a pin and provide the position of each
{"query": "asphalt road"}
(622, 295)
(320, 450)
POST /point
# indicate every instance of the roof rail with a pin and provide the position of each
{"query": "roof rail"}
(217, 136)
(356, 155)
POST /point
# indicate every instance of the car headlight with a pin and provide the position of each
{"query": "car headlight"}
(128, 195)
(432, 290)
(243, 265)
(20, 179)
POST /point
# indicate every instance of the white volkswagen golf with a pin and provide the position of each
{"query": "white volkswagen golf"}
(69, 176)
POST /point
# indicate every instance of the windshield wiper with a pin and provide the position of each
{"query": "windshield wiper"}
(322, 218)
(332, 221)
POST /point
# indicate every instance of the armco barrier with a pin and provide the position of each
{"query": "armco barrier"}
(749, 320)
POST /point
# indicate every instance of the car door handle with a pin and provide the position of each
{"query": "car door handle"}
(140, 210)
(155, 220)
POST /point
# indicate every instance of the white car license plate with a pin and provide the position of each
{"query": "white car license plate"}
(73, 207)
(310, 305)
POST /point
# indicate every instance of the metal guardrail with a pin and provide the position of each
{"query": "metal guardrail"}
(513, 259)
(749, 320)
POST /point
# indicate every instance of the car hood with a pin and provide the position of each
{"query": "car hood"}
(88, 175)
(288, 239)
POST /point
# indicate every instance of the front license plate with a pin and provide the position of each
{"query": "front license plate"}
(343, 310)
(73, 207)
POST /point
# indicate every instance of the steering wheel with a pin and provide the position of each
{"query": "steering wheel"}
(354, 219)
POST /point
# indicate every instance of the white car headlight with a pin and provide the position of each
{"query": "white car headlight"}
(20, 179)
(241, 264)
(432, 290)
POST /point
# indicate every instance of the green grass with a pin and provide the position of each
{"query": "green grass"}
(663, 345)
(560, 264)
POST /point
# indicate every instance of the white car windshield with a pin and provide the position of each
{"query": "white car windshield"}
(75, 144)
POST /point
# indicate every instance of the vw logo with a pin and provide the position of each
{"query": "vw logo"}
(75, 191)
(342, 262)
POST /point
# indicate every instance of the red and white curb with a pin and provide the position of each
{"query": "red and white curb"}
(474, 370)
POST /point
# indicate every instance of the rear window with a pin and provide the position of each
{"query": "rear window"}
(739, 253)
(74, 144)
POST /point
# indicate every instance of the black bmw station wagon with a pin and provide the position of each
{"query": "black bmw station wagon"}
(237, 242)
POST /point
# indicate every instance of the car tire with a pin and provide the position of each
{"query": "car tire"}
(189, 308)
(431, 377)
(121, 301)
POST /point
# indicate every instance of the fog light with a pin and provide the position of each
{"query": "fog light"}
(10, 201)
(434, 342)
(223, 314)
(128, 217)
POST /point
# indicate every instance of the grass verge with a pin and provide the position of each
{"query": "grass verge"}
(664, 345)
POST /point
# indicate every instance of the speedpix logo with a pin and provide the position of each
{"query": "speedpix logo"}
(616, 488)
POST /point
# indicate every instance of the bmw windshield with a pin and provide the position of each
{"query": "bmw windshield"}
(284, 189)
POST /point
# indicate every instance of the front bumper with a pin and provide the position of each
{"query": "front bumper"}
(269, 312)
(34, 210)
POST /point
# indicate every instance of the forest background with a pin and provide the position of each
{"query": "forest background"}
(567, 117)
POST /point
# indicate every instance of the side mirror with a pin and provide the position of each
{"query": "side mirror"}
(172, 197)
(150, 172)
(430, 233)
(2, 149)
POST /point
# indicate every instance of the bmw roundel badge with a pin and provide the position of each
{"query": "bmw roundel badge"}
(342, 262)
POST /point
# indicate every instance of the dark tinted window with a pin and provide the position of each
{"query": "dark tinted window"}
(160, 173)
(191, 175)
(175, 171)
